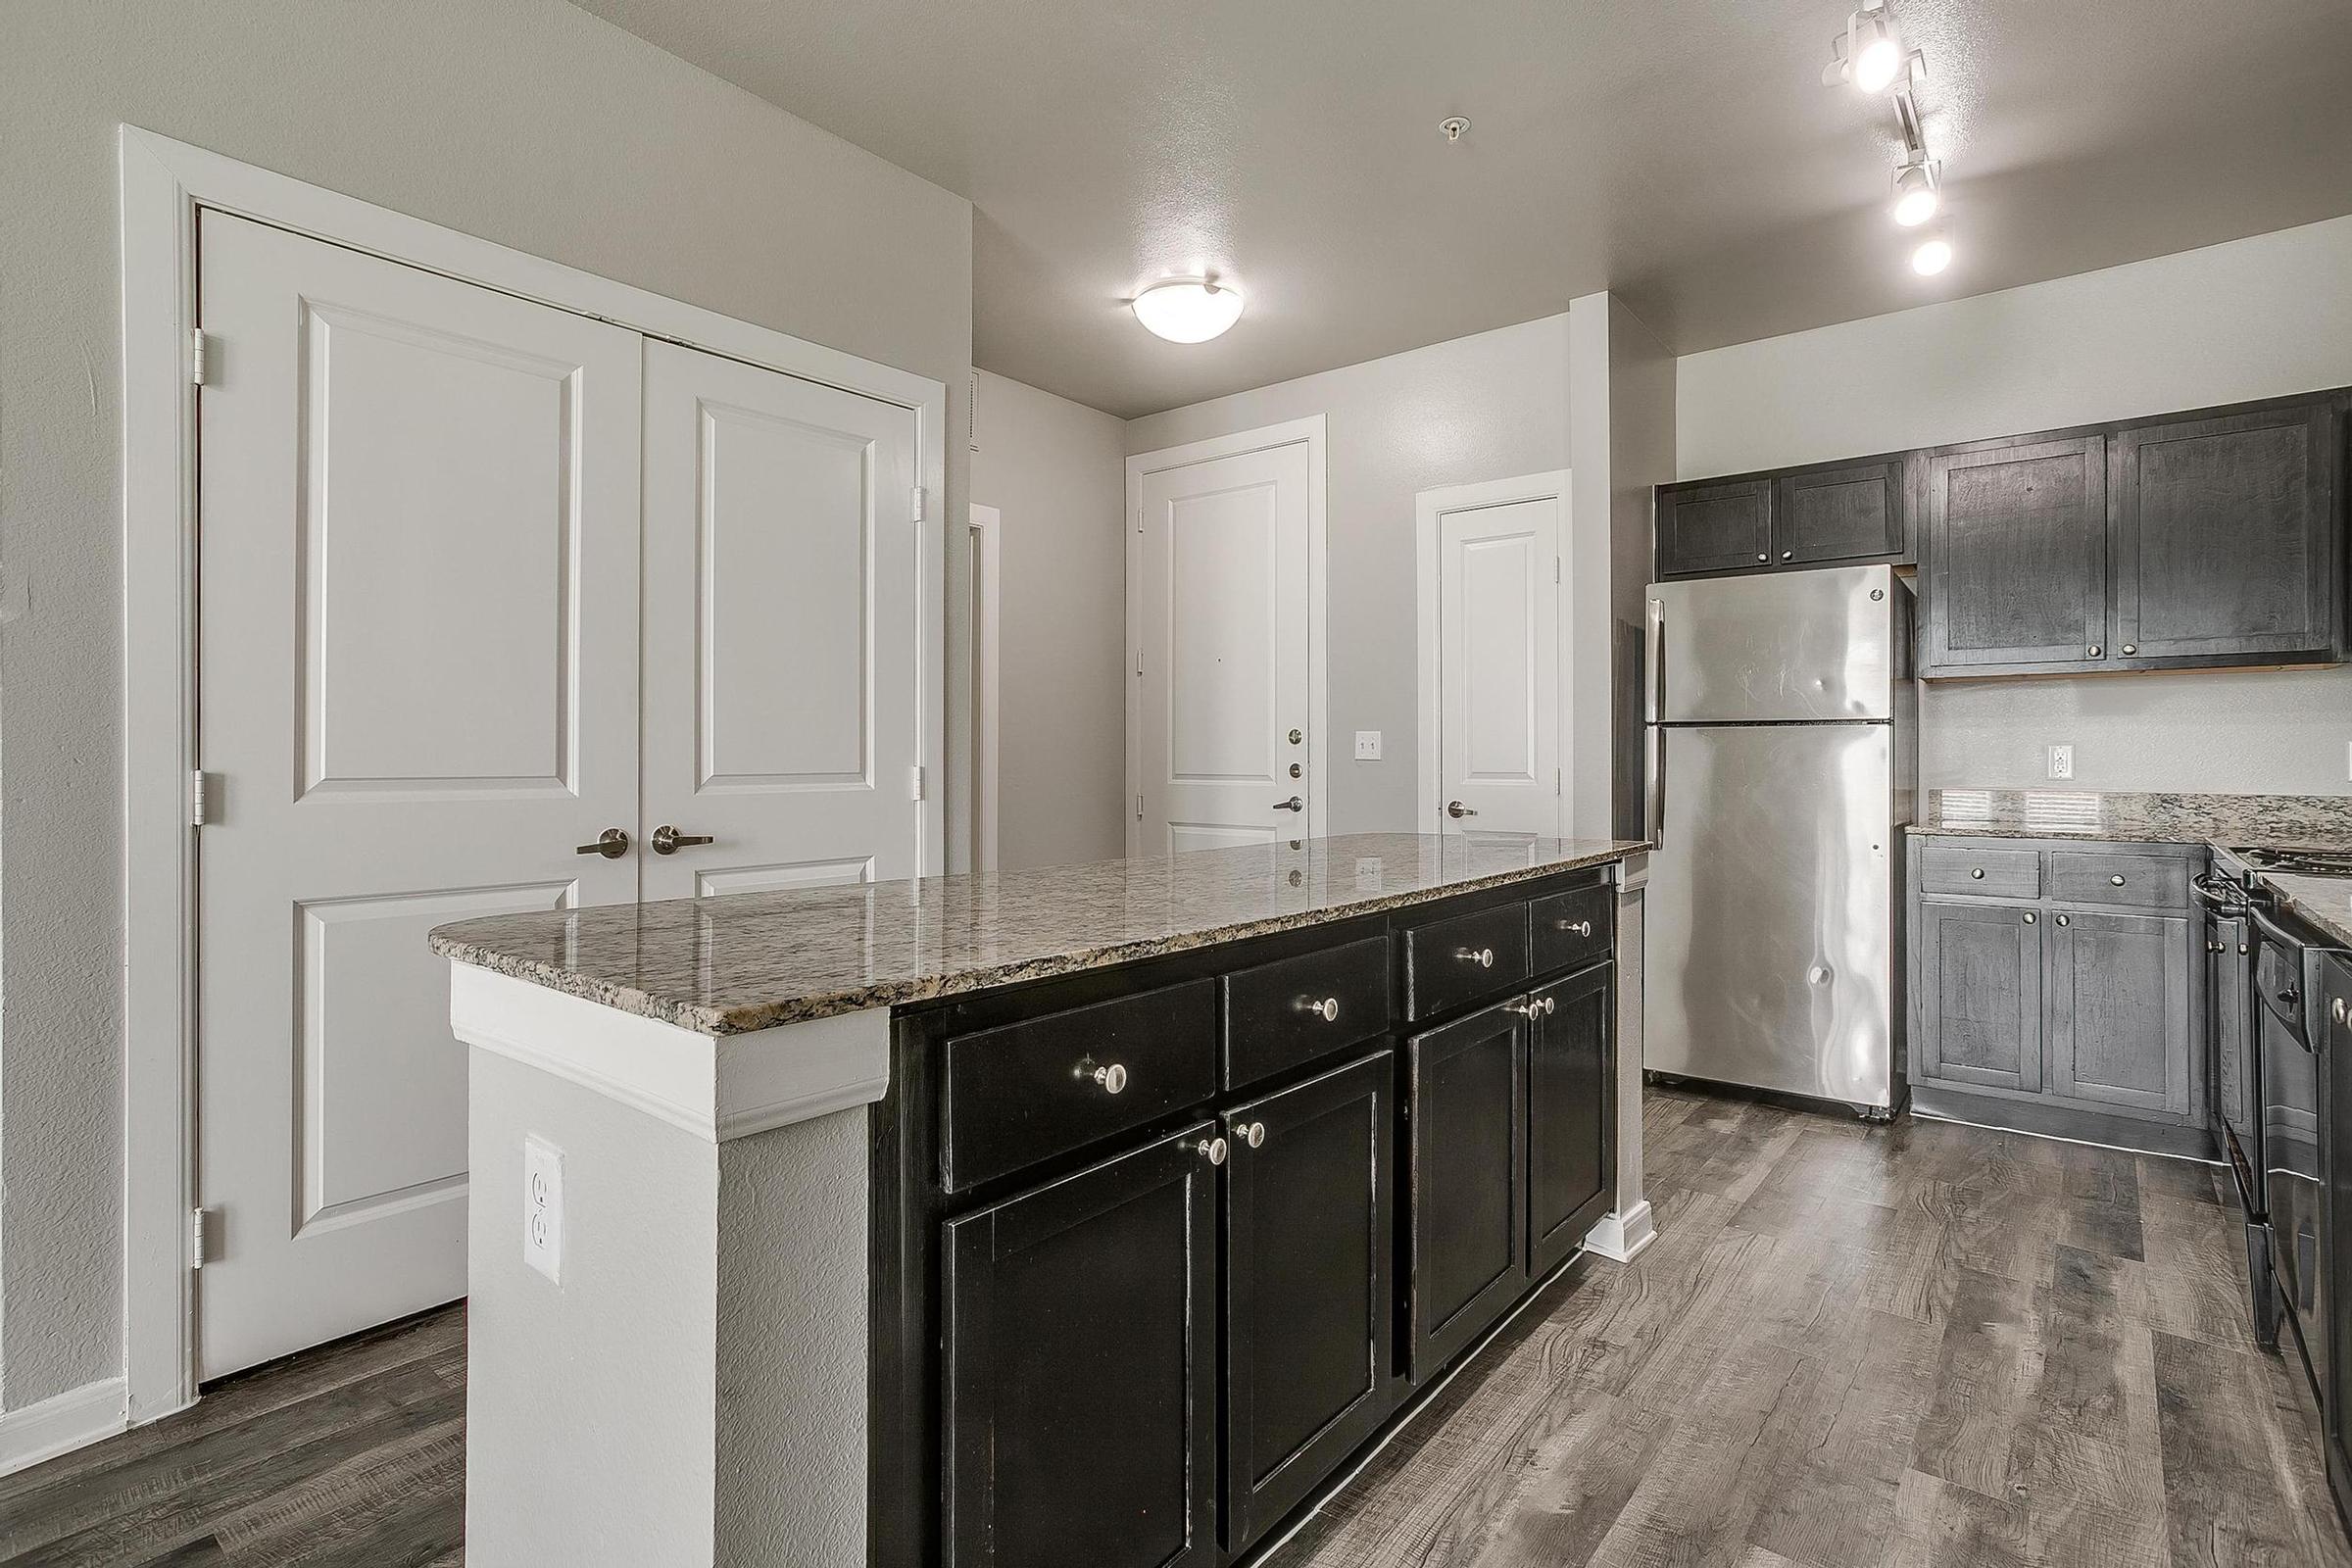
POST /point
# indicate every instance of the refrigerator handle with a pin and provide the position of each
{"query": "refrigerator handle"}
(1654, 783)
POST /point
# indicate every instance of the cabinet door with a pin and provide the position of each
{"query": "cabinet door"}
(1571, 1112)
(1980, 1008)
(2118, 994)
(1080, 1348)
(2015, 555)
(1849, 514)
(1714, 527)
(2225, 536)
(2228, 1019)
(1467, 1237)
(1309, 1307)
(2334, 1023)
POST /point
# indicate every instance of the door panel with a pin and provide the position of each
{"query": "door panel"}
(2015, 555)
(1081, 1395)
(1838, 514)
(2117, 994)
(1571, 1110)
(1221, 599)
(1309, 1308)
(1797, 645)
(1469, 1224)
(781, 628)
(1716, 528)
(419, 685)
(1979, 1003)
(1498, 667)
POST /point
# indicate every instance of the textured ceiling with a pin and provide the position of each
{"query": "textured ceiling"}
(1680, 151)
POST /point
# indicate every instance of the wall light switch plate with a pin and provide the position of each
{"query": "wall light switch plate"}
(1367, 745)
(2062, 761)
(543, 1208)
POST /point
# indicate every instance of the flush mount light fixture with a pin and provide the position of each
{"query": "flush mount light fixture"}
(1934, 255)
(1868, 55)
(1188, 310)
(1918, 193)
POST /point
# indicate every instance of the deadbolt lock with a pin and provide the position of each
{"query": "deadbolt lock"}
(1296, 736)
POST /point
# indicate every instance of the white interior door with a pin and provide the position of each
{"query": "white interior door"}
(1497, 656)
(781, 630)
(1221, 602)
(418, 692)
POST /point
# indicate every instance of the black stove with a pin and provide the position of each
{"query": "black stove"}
(2298, 862)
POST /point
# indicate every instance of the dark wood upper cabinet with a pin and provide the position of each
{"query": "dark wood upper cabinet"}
(1855, 512)
(1721, 527)
(2225, 536)
(1309, 1305)
(1571, 1106)
(2015, 562)
(1081, 1384)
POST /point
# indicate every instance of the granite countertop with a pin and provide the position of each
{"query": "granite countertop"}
(2324, 900)
(753, 960)
(2240, 821)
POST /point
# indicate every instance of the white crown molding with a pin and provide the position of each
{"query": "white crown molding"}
(716, 1087)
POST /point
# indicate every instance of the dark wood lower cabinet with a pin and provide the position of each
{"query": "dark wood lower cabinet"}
(1081, 1392)
(1308, 1309)
(1469, 1236)
(1571, 1115)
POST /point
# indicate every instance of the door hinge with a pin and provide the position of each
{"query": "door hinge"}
(1139, 661)
(914, 782)
(922, 499)
(197, 356)
(1555, 568)
(200, 799)
(1556, 781)
(202, 1223)
(1139, 808)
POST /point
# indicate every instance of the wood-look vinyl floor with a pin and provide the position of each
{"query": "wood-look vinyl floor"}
(1910, 1346)
(1868, 1347)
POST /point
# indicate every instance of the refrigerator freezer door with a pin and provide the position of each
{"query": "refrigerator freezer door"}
(1790, 645)
(1771, 910)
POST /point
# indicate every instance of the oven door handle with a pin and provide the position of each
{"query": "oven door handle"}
(2274, 930)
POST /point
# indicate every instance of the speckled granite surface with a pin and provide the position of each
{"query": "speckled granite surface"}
(2270, 821)
(752, 960)
(2324, 900)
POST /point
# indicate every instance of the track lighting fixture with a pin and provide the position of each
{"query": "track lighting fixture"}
(1869, 55)
(1933, 254)
(1918, 193)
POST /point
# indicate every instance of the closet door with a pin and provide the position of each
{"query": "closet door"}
(781, 630)
(418, 511)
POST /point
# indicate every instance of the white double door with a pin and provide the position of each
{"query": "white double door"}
(1491, 659)
(479, 580)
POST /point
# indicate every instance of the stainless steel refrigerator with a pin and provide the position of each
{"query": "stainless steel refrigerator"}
(1782, 769)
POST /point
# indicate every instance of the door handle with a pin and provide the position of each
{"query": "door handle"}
(612, 843)
(1653, 794)
(1457, 810)
(668, 839)
(1294, 804)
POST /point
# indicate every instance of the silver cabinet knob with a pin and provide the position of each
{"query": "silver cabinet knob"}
(1457, 810)
(2130, 649)
(2065, 920)
(1484, 957)
(1328, 1009)
(1213, 1148)
(1111, 1078)
(1978, 872)
(612, 843)
(1763, 556)
(668, 839)
(1294, 804)
(2096, 651)
(1539, 1007)
(2031, 919)
(2116, 880)
(2341, 1011)
(2215, 947)
(1788, 555)
(1253, 1133)
(1582, 928)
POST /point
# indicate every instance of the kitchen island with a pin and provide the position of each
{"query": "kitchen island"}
(1090, 1214)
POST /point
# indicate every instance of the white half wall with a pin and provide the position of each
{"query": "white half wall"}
(2256, 318)
(1056, 471)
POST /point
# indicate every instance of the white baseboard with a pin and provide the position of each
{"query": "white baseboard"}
(1620, 1237)
(61, 1424)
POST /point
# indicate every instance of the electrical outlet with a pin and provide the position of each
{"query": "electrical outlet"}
(1367, 745)
(2062, 761)
(1367, 873)
(543, 1208)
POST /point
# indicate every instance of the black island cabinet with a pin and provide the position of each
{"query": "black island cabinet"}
(1166, 1245)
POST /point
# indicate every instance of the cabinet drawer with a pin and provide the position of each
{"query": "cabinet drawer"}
(1034, 1089)
(2130, 881)
(1281, 1014)
(1572, 929)
(1985, 873)
(1450, 962)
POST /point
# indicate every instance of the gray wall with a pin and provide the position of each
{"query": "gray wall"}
(525, 121)
(2256, 318)
(1058, 471)
(1489, 407)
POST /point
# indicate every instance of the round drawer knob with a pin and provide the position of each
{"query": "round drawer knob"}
(2031, 918)
(2065, 920)
(1582, 928)
(1213, 1148)
(1251, 1133)
(1112, 1078)
(2116, 880)
(1551, 1005)
(2341, 1012)
(2130, 649)
(1788, 555)
(1484, 957)
(1978, 872)
(1328, 1009)
(1761, 556)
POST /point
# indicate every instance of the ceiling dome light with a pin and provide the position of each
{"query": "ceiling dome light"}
(1934, 255)
(1189, 310)
(1916, 196)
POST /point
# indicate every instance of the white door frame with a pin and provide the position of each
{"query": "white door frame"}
(987, 536)
(1429, 506)
(163, 184)
(1309, 430)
